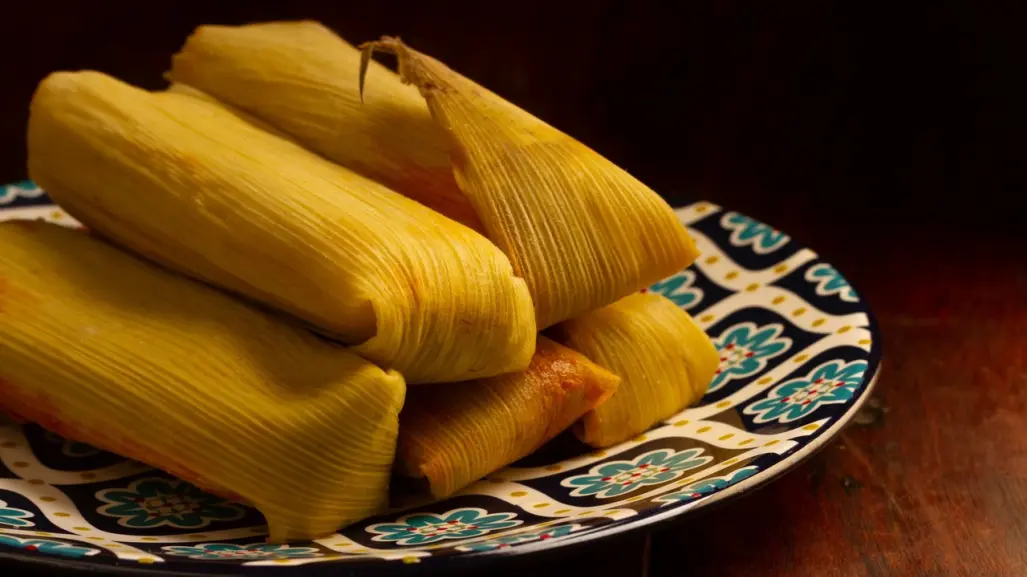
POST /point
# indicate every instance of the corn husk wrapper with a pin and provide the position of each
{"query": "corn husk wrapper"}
(581, 231)
(665, 362)
(302, 79)
(457, 434)
(187, 90)
(110, 350)
(185, 182)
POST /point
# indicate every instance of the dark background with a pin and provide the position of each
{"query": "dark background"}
(902, 112)
(891, 137)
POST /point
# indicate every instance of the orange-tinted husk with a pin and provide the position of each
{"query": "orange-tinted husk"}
(456, 434)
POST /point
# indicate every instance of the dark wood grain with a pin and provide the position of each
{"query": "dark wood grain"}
(890, 140)
(932, 479)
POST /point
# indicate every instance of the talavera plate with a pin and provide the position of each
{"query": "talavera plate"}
(799, 354)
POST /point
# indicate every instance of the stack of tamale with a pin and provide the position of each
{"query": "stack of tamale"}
(291, 235)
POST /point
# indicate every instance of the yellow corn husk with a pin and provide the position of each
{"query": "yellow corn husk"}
(183, 181)
(117, 352)
(581, 231)
(457, 434)
(302, 78)
(665, 362)
(249, 118)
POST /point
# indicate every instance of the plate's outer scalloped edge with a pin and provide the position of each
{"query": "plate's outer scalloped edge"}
(728, 239)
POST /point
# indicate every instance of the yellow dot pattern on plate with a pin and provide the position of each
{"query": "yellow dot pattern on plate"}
(410, 559)
(95, 538)
(731, 275)
(681, 423)
(48, 499)
(147, 560)
(745, 442)
(62, 515)
(800, 358)
(752, 287)
(599, 454)
(540, 505)
(811, 427)
(777, 300)
(723, 404)
(844, 329)
(114, 546)
(781, 267)
(819, 322)
(553, 468)
(712, 259)
(56, 215)
(702, 208)
(703, 430)
(149, 539)
(518, 493)
(771, 443)
(641, 439)
(342, 544)
(561, 511)
(765, 380)
(864, 341)
(706, 318)
(198, 536)
(725, 437)
(82, 529)
(729, 462)
(799, 312)
(584, 513)
(283, 561)
(37, 482)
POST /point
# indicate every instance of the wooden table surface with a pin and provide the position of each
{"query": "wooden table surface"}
(847, 130)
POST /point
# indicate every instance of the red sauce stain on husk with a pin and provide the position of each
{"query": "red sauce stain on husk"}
(25, 407)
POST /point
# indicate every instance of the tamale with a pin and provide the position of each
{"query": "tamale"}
(183, 181)
(302, 78)
(580, 231)
(111, 350)
(457, 434)
(665, 362)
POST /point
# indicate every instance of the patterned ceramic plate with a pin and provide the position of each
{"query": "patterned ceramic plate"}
(799, 353)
